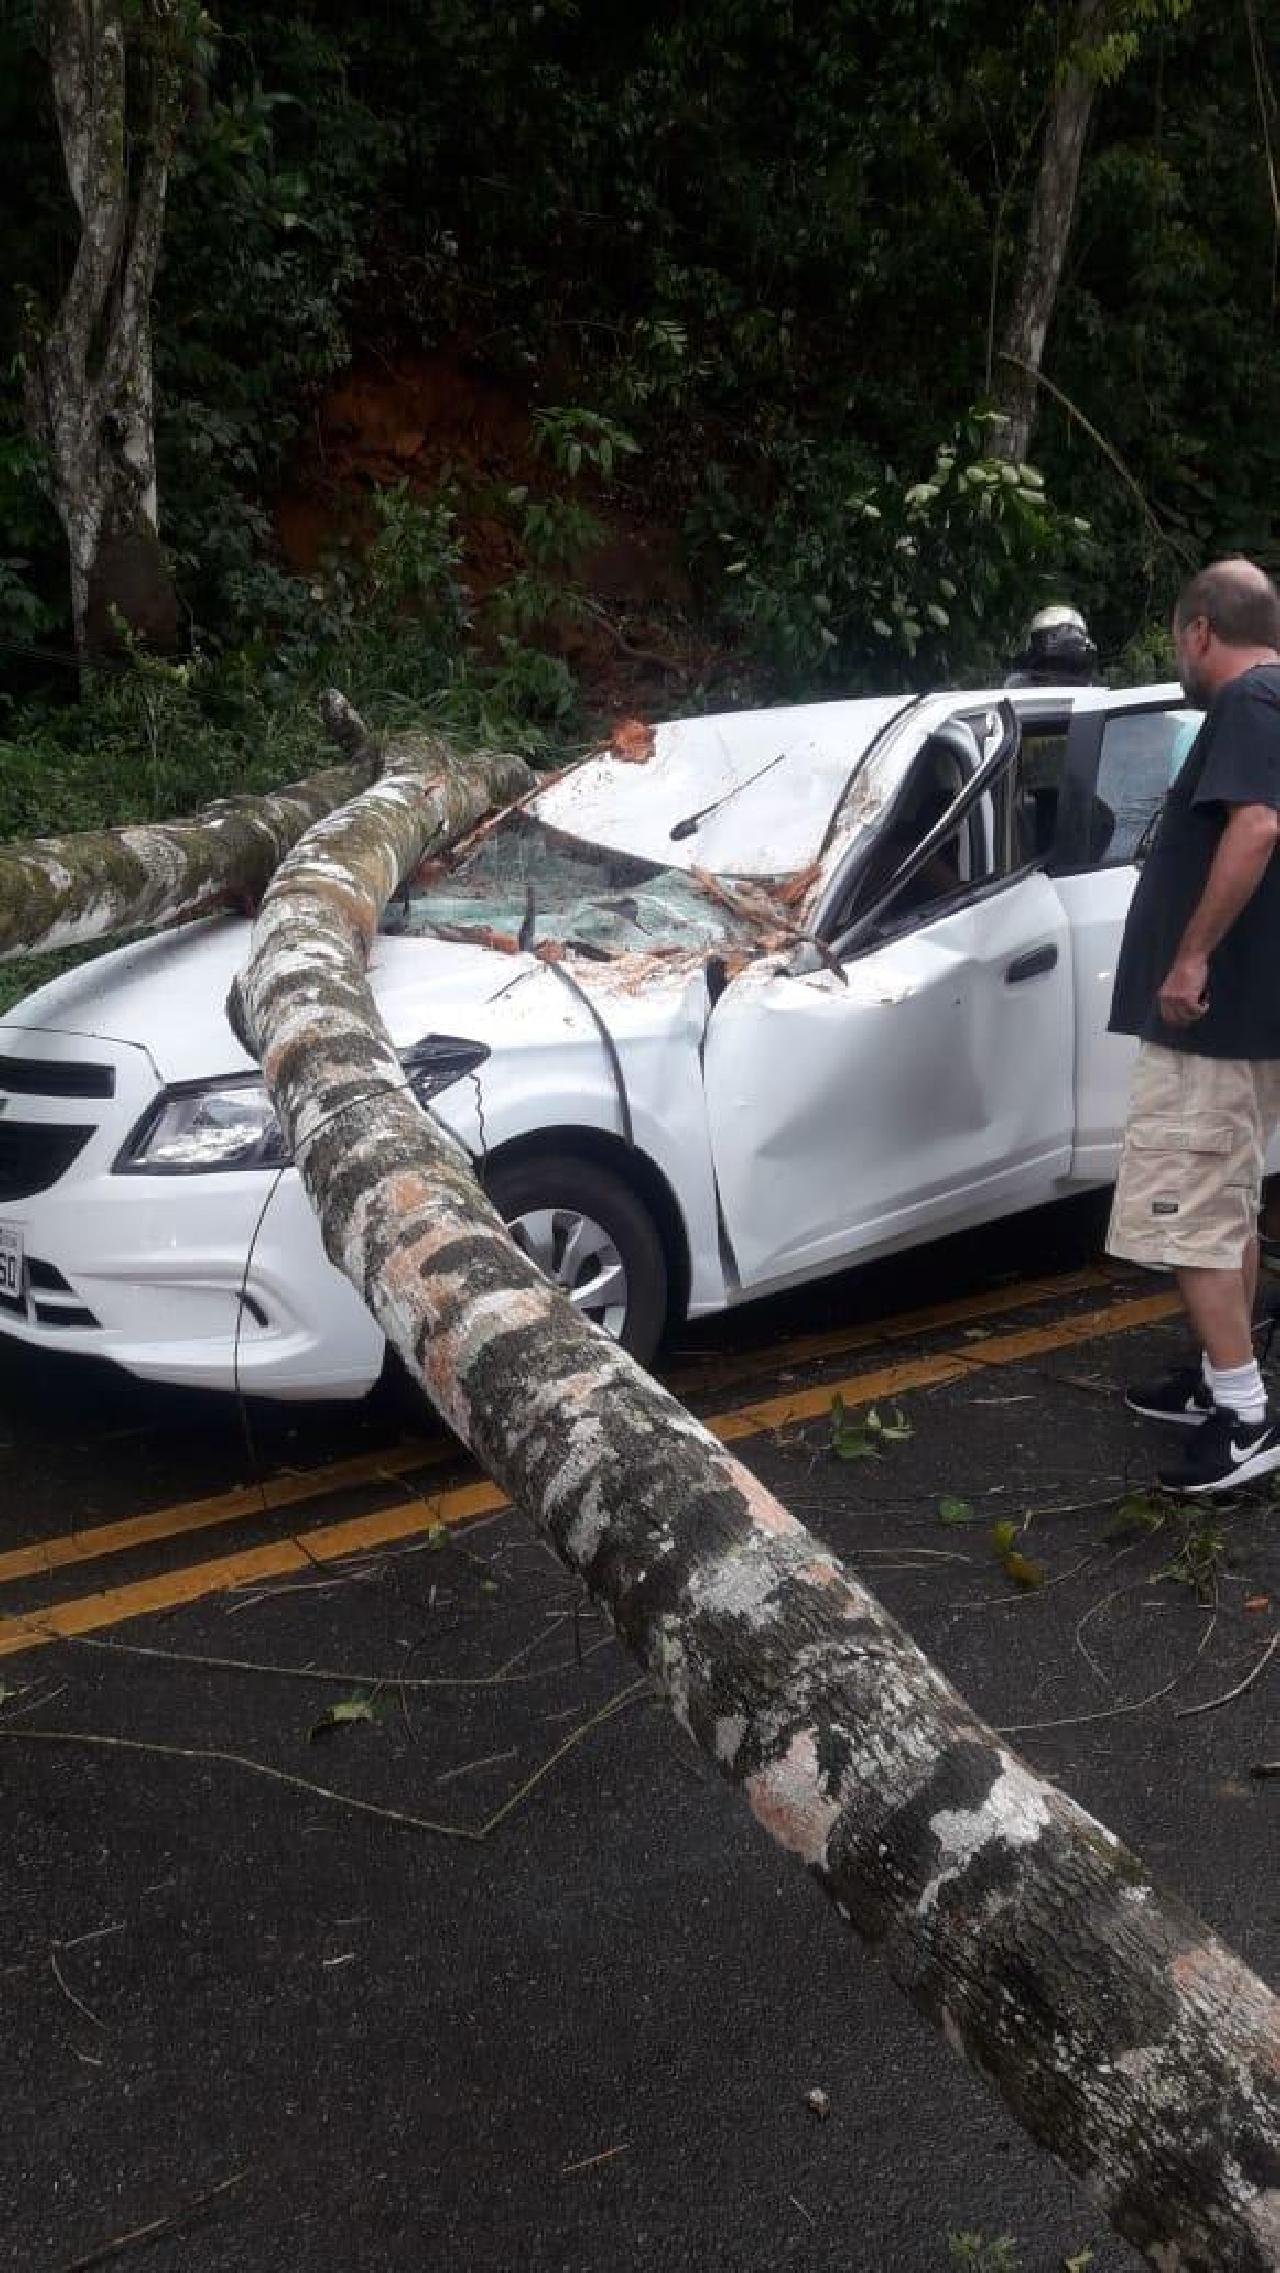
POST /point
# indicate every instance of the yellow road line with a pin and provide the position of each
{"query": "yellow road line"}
(45, 1556)
(948, 1365)
(48, 1555)
(837, 1341)
(411, 1517)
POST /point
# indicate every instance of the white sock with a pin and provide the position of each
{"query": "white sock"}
(1238, 1389)
(1206, 1370)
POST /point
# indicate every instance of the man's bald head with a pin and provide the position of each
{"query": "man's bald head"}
(1237, 600)
(1227, 621)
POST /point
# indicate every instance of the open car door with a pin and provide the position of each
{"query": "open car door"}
(1123, 754)
(926, 1081)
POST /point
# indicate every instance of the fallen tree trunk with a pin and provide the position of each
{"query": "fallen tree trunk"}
(64, 891)
(1122, 2034)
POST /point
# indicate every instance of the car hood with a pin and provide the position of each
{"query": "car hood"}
(167, 995)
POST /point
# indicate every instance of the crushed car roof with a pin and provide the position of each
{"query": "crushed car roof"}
(745, 793)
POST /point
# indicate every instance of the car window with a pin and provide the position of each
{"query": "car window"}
(1142, 751)
(1038, 784)
(958, 863)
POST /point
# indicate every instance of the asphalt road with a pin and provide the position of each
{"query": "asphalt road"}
(494, 1973)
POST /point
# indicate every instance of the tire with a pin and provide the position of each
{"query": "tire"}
(589, 1233)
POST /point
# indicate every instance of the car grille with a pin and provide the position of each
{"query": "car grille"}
(50, 1077)
(50, 1299)
(34, 1154)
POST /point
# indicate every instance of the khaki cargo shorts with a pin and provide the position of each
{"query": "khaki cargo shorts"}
(1190, 1182)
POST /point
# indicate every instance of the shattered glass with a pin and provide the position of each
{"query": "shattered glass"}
(584, 896)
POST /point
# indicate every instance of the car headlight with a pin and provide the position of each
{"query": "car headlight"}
(231, 1124)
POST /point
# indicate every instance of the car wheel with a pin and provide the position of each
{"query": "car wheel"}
(587, 1232)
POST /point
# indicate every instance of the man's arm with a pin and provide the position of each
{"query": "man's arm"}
(1239, 865)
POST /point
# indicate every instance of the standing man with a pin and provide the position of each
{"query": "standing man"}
(1198, 981)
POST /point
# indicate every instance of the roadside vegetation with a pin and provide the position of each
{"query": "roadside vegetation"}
(516, 368)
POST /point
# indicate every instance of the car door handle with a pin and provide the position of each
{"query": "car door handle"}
(1032, 966)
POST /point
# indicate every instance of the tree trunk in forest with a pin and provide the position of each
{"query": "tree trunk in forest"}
(1122, 2034)
(118, 76)
(62, 891)
(1049, 225)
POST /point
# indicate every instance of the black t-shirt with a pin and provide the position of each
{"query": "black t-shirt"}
(1234, 760)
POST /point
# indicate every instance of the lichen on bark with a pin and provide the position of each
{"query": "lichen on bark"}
(62, 891)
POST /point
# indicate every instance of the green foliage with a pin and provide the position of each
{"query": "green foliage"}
(555, 531)
(345, 1712)
(954, 1512)
(864, 1439)
(1118, 40)
(414, 560)
(975, 2254)
(152, 738)
(847, 570)
(749, 257)
(573, 439)
(1202, 1558)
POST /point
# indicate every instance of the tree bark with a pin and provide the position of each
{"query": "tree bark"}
(63, 891)
(1120, 2032)
(89, 384)
(1053, 207)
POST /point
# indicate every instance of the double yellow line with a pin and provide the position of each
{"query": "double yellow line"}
(413, 1515)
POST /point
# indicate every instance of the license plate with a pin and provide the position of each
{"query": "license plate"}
(10, 1263)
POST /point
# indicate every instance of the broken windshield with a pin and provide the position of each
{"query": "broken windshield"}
(584, 896)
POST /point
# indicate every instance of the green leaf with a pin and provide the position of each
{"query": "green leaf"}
(855, 1445)
(341, 1715)
(1003, 1536)
(954, 1512)
(1140, 1512)
(896, 1431)
(852, 1440)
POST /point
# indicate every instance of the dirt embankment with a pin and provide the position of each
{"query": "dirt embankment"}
(622, 617)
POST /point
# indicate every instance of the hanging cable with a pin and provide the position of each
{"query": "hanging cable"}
(525, 941)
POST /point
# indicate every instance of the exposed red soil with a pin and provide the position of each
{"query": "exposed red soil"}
(433, 419)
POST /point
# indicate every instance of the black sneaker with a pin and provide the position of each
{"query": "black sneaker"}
(1182, 1396)
(1226, 1452)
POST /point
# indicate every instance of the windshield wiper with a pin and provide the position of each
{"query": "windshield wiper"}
(694, 821)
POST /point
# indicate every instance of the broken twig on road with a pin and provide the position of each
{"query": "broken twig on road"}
(93, 1740)
(170, 2223)
(1187, 1712)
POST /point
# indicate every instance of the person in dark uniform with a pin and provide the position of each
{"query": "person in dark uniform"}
(1058, 653)
(1198, 982)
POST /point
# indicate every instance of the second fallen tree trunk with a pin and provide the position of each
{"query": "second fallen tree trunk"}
(64, 891)
(1121, 2033)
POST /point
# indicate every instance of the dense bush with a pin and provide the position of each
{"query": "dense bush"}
(743, 263)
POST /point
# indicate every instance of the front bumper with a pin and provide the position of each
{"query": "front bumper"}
(172, 1277)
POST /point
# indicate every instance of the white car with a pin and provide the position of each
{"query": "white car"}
(715, 1014)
